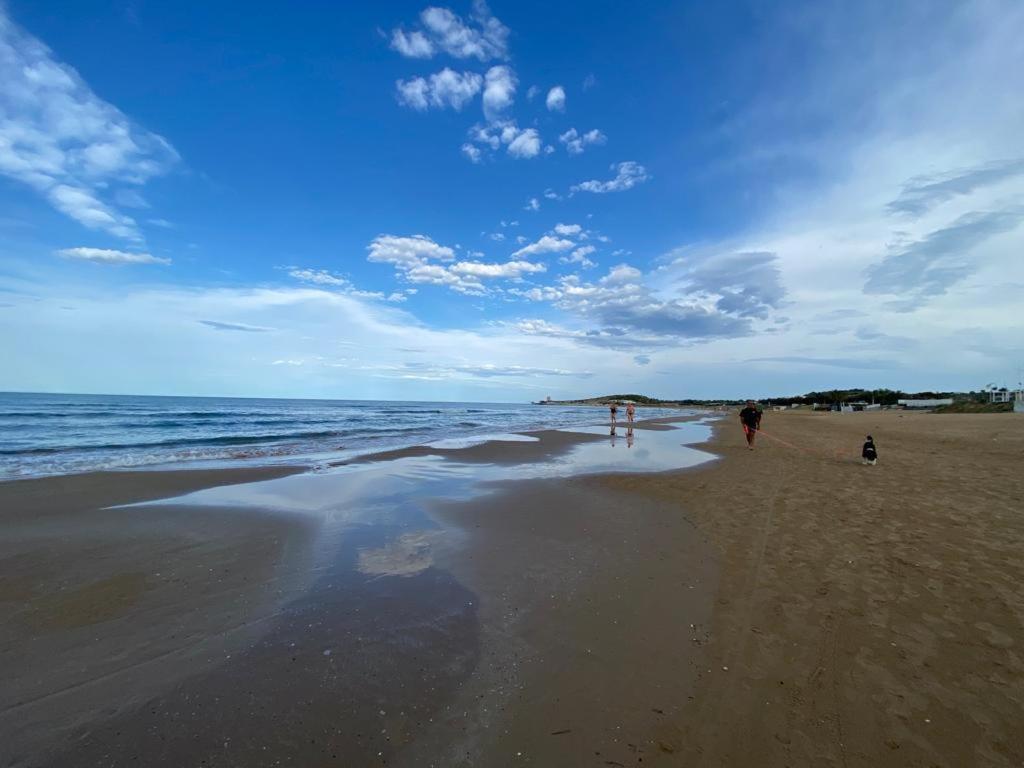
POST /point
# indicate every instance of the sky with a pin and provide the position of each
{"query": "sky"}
(509, 201)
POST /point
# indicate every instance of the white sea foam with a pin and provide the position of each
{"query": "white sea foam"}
(468, 441)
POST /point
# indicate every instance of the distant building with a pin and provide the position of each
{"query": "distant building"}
(1000, 396)
(936, 403)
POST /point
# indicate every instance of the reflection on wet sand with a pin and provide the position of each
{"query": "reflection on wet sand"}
(381, 639)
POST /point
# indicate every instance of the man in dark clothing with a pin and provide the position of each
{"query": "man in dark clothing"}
(750, 418)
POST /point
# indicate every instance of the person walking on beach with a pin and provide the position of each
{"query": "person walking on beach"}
(613, 408)
(750, 418)
(630, 412)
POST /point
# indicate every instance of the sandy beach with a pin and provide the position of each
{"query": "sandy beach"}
(783, 606)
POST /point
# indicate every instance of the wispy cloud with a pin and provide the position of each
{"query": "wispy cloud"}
(244, 327)
(546, 244)
(488, 371)
(340, 284)
(744, 284)
(110, 256)
(65, 142)
(928, 267)
(579, 256)
(576, 142)
(853, 363)
(627, 175)
(925, 192)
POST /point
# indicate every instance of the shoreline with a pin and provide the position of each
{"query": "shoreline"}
(238, 440)
(133, 561)
(781, 606)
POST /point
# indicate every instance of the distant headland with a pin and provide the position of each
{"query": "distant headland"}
(982, 401)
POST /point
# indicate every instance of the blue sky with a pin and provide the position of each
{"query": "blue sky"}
(499, 203)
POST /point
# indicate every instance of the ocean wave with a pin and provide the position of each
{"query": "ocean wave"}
(217, 440)
(211, 440)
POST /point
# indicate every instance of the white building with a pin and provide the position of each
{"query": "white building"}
(936, 403)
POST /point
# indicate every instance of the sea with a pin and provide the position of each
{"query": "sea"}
(59, 434)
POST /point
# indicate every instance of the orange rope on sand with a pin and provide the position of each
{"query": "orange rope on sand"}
(837, 455)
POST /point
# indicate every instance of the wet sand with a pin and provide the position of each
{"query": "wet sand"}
(785, 606)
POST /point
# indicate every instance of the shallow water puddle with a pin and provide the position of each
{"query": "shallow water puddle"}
(361, 493)
(378, 639)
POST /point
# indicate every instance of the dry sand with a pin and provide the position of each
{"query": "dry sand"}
(780, 607)
(865, 616)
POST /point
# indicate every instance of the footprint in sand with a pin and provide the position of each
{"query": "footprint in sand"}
(994, 636)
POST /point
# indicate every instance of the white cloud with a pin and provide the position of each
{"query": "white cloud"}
(499, 91)
(473, 153)
(556, 99)
(66, 143)
(446, 88)
(414, 260)
(414, 45)
(483, 37)
(340, 284)
(435, 274)
(531, 92)
(489, 369)
(533, 204)
(108, 256)
(526, 144)
(579, 256)
(318, 277)
(550, 194)
(576, 142)
(568, 230)
(523, 143)
(407, 252)
(486, 135)
(546, 244)
(627, 175)
(498, 236)
(510, 269)
(720, 300)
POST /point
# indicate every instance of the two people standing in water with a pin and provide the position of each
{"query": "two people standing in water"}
(613, 409)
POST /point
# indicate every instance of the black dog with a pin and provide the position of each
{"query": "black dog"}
(869, 454)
